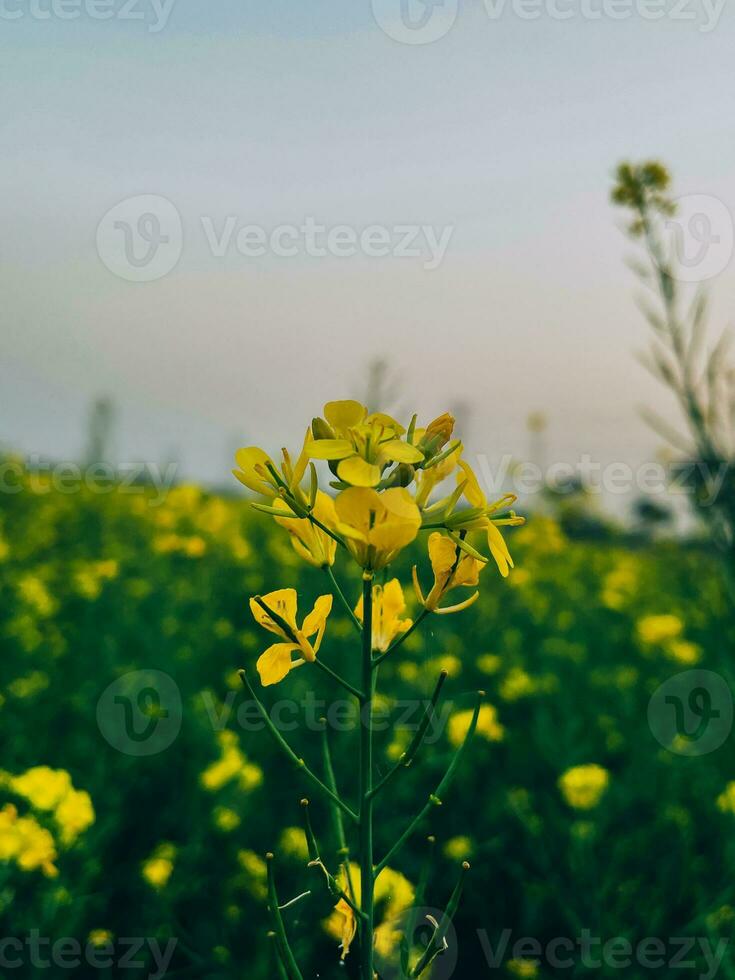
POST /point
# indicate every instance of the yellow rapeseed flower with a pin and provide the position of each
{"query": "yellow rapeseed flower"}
(310, 542)
(488, 726)
(388, 604)
(158, 868)
(275, 663)
(74, 814)
(726, 799)
(659, 629)
(583, 786)
(452, 568)
(361, 445)
(377, 526)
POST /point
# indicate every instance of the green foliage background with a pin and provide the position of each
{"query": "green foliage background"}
(556, 647)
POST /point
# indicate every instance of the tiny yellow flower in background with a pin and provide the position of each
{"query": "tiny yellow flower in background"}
(452, 568)
(517, 684)
(583, 786)
(225, 819)
(659, 629)
(488, 726)
(232, 764)
(726, 799)
(74, 814)
(388, 604)
(377, 526)
(43, 787)
(526, 969)
(683, 652)
(458, 848)
(25, 841)
(489, 663)
(158, 868)
(256, 872)
(275, 663)
(293, 844)
(309, 541)
(100, 937)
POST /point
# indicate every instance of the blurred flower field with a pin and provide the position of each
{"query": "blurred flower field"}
(573, 815)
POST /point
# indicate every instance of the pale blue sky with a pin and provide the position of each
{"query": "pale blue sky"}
(506, 130)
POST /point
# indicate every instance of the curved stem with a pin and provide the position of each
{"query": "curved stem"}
(343, 599)
(340, 680)
(436, 798)
(288, 751)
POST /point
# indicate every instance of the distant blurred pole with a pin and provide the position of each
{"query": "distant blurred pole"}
(382, 386)
(701, 378)
(100, 426)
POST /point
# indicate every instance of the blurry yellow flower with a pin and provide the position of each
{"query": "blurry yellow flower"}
(232, 764)
(100, 937)
(4, 548)
(225, 819)
(74, 814)
(30, 685)
(158, 868)
(458, 848)
(276, 662)
(361, 445)
(726, 799)
(34, 592)
(489, 663)
(583, 786)
(517, 684)
(257, 873)
(445, 661)
(293, 844)
(659, 629)
(388, 604)
(488, 726)
(43, 787)
(377, 525)
(23, 840)
(309, 541)
(526, 969)
(394, 894)
(684, 652)
(452, 568)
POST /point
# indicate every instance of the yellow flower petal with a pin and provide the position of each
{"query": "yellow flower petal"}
(358, 472)
(401, 452)
(275, 663)
(499, 549)
(329, 448)
(283, 602)
(318, 616)
(472, 490)
(342, 415)
(247, 460)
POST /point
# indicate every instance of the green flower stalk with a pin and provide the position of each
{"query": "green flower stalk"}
(384, 475)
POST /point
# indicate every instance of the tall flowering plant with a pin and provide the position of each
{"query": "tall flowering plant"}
(387, 478)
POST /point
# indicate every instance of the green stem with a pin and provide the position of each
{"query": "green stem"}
(342, 598)
(436, 798)
(289, 961)
(367, 881)
(408, 756)
(286, 748)
(336, 677)
(404, 636)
